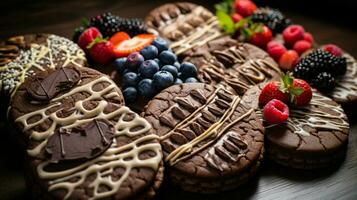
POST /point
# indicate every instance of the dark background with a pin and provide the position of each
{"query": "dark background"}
(330, 21)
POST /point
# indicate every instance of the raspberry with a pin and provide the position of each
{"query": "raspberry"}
(275, 50)
(333, 49)
(293, 34)
(301, 46)
(288, 60)
(308, 37)
(276, 112)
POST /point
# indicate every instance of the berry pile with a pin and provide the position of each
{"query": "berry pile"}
(151, 70)
(321, 68)
(272, 18)
(109, 24)
(294, 37)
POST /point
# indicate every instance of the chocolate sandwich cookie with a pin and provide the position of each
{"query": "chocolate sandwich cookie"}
(186, 25)
(211, 140)
(315, 136)
(25, 56)
(81, 141)
(239, 65)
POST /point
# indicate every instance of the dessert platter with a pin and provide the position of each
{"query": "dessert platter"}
(185, 96)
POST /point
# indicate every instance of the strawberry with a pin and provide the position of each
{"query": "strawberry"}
(262, 38)
(302, 96)
(308, 37)
(236, 17)
(301, 46)
(244, 7)
(87, 37)
(292, 34)
(123, 48)
(275, 50)
(288, 60)
(272, 90)
(119, 37)
(276, 112)
(101, 50)
(333, 49)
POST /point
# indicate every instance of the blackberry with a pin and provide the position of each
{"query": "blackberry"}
(109, 24)
(324, 82)
(272, 18)
(339, 66)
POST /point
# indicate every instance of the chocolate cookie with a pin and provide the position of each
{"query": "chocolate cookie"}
(81, 141)
(25, 56)
(314, 136)
(211, 140)
(186, 25)
(239, 65)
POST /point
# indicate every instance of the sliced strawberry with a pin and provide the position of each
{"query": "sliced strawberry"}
(135, 44)
(119, 37)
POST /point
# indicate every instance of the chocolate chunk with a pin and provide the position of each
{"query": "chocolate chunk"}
(237, 140)
(178, 112)
(178, 138)
(190, 135)
(208, 116)
(60, 80)
(223, 153)
(185, 104)
(199, 95)
(80, 143)
(197, 128)
(215, 110)
(168, 121)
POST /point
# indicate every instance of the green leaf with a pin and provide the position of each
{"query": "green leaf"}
(84, 22)
(287, 80)
(225, 6)
(96, 41)
(297, 91)
(225, 22)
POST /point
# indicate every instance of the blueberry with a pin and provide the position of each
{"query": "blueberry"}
(177, 65)
(148, 68)
(178, 81)
(149, 52)
(191, 80)
(188, 70)
(171, 69)
(130, 79)
(126, 70)
(160, 44)
(119, 64)
(162, 80)
(146, 88)
(167, 57)
(134, 61)
(130, 94)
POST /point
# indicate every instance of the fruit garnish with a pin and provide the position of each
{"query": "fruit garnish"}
(272, 18)
(320, 68)
(275, 50)
(261, 38)
(276, 112)
(288, 60)
(292, 34)
(333, 49)
(302, 46)
(236, 17)
(119, 37)
(295, 91)
(88, 36)
(135, 44)
(244, 7)
(272, 90)
(308, 37)
(101, 50)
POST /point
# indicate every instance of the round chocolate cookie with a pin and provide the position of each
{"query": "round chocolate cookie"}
(25, 56)
(81, 141)
(211, 140)
(186, 25)
(315, 136)
(239, 65)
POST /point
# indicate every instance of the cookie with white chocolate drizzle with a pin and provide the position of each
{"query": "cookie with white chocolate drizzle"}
(186, 25)
(25, 56)
(211, 140)
(315, 136)
(81, 141)
(239, 65)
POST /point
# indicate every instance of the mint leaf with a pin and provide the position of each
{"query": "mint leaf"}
(84, 22)
(225, 22)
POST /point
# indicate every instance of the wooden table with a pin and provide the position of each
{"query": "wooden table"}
(273, 182)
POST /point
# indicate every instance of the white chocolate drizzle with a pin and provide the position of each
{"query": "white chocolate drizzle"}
(126, 156)
(347, 86)
(38, 57)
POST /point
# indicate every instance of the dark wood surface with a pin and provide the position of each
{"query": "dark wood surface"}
(273, 182)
